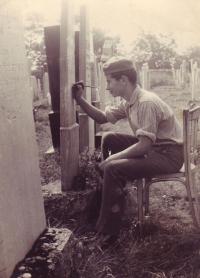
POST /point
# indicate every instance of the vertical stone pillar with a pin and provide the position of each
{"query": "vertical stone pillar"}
(52, 43)
(34, 88)
(102, 86)
(22, 217)
(86, 123)
(69, 129)
(46, 84)
(145, 77)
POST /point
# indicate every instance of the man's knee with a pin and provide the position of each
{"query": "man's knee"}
(111, 168)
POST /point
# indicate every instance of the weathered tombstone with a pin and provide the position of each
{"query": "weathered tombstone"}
(69, 129)
(46, 84)
(102, 86)
(86, 123)
(34, 87)
(22, 217)
(145, 77)
(52, 43)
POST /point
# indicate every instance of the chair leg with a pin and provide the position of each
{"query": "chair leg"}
(147, 184)
(140, 202)
(192, 193)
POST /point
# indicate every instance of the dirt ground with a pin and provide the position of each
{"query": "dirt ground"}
(171, 244)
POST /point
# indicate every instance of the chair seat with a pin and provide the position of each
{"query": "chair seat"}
(179, 174)
(169, 176)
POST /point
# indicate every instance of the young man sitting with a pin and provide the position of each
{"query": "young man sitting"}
(154, 148)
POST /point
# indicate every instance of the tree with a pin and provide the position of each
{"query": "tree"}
(193, 53)
(99, 39)
(157, 50)
(34, 42)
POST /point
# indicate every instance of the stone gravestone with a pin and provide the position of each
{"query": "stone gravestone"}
(85, 122)
(69, 129)
(46, 84)
(22, 217)
(34, 88)
(52, 43)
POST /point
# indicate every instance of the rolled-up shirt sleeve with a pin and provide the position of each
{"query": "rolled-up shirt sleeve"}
(114, 114)
(148, 120)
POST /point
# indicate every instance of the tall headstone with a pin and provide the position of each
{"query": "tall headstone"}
(34, 88)
(52, 43)
(86, 123)
(22, 217)
(145, 78)
(69, 129)
(102, 85)
(46, 84)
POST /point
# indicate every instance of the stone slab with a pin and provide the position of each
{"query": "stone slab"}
(22, 215)
(51, 256)
(52, 187)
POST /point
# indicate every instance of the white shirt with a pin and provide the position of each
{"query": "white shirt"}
(148, 115)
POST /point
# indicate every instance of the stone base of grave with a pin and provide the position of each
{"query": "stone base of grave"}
(84, 131)
(69, 154)
(75, 209)
(87, 131)
(51, 256)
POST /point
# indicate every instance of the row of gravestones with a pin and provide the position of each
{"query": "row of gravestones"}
(153, 77)
(40, 91)
(188, 76)
(99, 96)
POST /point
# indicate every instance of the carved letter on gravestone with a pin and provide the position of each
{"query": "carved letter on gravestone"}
(22, 217)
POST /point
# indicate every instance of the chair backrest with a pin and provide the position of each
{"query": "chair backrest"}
(191, 137)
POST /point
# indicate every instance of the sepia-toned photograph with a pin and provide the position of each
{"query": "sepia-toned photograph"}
(99, 139)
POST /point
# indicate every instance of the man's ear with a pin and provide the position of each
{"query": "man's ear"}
(124, 78)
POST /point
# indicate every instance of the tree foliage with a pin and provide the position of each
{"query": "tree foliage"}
(193, 53)
(34, 42)
(157, 50)
(99, 39)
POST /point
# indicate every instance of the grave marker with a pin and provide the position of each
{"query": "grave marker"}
(69, 129)
(22, 215)
(86, 123)
(52, 43)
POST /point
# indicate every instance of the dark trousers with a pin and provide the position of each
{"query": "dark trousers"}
(163, 159)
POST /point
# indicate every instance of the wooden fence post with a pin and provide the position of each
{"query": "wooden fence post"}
(69, 129)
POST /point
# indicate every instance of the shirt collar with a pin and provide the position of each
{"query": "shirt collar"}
(134, 96)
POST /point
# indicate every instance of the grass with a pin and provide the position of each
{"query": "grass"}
(170, 247)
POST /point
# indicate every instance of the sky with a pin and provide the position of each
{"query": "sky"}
(128, 18)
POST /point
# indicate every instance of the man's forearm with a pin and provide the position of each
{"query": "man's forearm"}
(136, 150)
(95, 113)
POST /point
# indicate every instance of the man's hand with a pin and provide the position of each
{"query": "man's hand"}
(103, 163)
(77, 90)
(139, 149)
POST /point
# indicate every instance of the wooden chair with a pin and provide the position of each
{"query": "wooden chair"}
(188, 175)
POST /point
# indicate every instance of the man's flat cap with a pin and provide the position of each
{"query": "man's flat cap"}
(117, 64)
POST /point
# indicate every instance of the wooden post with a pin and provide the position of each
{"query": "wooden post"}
(86, 123)
(145, 76)
(69, 129)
